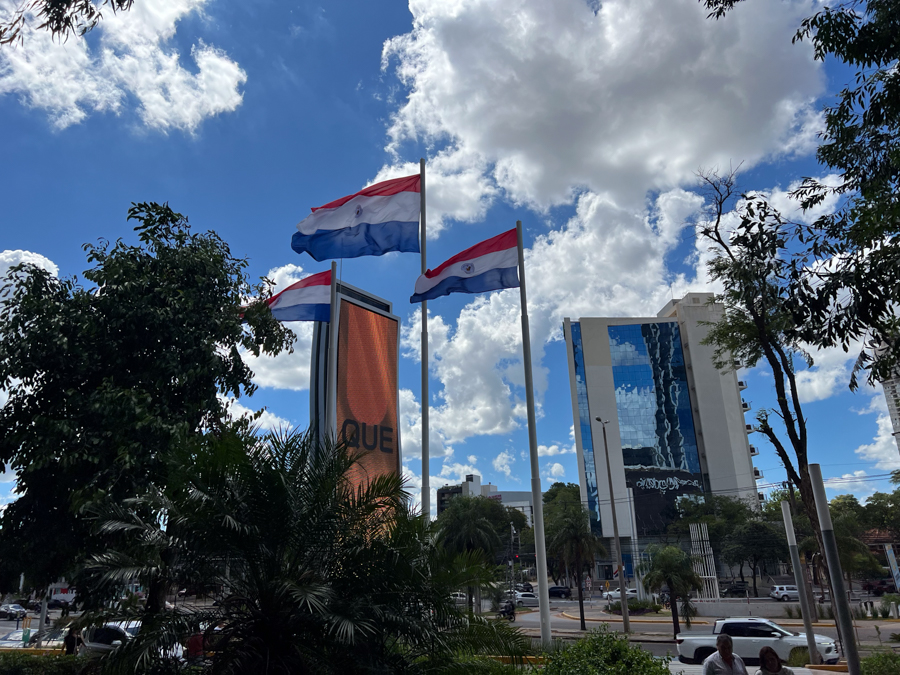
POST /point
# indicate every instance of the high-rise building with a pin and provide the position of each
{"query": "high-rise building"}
(892, 396)
(674, 423)
(472, 487)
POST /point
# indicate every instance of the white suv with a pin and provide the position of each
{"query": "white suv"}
(784, 593)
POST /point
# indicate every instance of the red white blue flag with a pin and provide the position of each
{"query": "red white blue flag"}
(379, 219)
(488, 266)
(307, 300)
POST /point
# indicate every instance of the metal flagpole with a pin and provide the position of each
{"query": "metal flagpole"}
(331, 401)
(537, 508)
(426, 480)
(798, 578)
(623, 596)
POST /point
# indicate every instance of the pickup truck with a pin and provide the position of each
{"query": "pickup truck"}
(750, 634)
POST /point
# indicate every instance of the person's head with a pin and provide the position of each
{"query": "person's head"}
(769, 659)
(72, 631)
(725, 645)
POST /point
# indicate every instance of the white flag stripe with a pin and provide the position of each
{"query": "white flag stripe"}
(310, 295)
(495, 260)
(400, 207)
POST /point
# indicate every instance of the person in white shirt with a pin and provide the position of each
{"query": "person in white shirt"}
(724, 661)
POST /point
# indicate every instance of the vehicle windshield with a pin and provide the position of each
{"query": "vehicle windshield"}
(776, 627)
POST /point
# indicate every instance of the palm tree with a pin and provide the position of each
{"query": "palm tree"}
(570, 539)
(321, 575)
(670, 566)
(462, 528)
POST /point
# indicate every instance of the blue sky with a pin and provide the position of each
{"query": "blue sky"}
(585, 121)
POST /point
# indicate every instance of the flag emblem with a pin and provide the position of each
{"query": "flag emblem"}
(468, 268)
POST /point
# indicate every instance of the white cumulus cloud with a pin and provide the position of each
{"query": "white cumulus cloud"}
(503, 463)
(128, 57)
(267, 421)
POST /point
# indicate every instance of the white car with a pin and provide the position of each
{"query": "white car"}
(524, 599)
(784, 593)
(750, 634)
(615, 595)
(459, 598)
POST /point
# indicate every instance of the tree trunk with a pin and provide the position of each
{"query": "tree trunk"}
(754, 569)
(580, 594)
(741, 572)
(471, 599)
(673, 603)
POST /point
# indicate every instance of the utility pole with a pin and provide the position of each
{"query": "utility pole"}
(799, 579)
(623, 597)
(842, 605)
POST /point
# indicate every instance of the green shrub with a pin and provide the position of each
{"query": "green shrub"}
(881, 663)
(602, 651)
(798, 657)
(789, 611)
(12, 663)
(884, 609)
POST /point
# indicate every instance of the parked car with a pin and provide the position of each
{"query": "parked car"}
(524, 599)
(12, 611)
(100, 640)
(560, 592)
(615, 595)
(459, 598)
(750, 634)
(879, 587)
(525, 587)
(784, 593)
(734, 589)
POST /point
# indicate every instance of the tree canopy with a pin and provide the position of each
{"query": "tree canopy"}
(61, 18)
(105, 382)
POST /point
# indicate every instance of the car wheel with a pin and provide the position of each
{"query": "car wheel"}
(685, 659)
(701, 654)
(520, 603)
(784, 598)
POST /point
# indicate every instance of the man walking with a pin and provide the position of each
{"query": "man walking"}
(724, 661)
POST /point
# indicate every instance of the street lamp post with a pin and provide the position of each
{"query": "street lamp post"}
(623, 598)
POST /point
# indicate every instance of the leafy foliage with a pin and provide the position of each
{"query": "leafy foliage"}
(670, 567)
(29, 664)
(755, 541)
(570, 539)
(602, 651)
(61, 18)
(318, 576)
(880, 663)
(106, 382)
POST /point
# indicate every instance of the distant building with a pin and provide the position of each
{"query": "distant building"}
(675, 424)
(892, 395)
(472, 487)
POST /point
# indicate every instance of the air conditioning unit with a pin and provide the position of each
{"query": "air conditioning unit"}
(757, 474)
(745, 406)
(754, 451)
(742, 384)
(749, 428)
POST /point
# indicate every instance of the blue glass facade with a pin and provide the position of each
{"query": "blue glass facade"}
(656, 427)
(584, 423)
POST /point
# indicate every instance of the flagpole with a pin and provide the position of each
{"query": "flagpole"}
(331, 401)
(537, 508)
(426, 480)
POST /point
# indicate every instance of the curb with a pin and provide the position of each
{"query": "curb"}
(619, 620)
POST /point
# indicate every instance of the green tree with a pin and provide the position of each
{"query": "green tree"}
(463, 527)
(882, 511)
(61, 18)
(320, 576)
(759, 276)
(558, 498)
(670, 567)
(571, 540)
(853, 296)
(106, 382)
(755, 541)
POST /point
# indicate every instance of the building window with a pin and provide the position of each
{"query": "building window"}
(584, 422)
(656, 427)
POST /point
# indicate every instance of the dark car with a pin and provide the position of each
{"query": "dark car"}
(525, 587)
(880, 587)
(560, 592)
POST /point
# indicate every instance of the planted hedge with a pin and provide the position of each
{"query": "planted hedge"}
(12, 663)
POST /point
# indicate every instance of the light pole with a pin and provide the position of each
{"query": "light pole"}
(623, 598)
